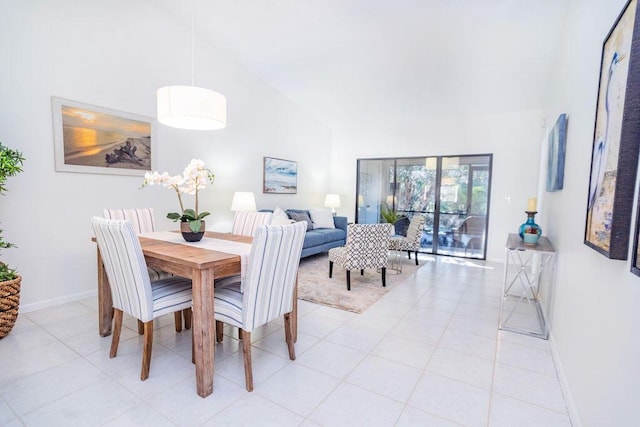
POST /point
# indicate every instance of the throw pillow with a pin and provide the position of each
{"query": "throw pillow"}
(302, 216)
(322, 218)
(280, 217)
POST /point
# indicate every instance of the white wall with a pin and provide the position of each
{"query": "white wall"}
(514, 139)
(116, 54)
(596, 316)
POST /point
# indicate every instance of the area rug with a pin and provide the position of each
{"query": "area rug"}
(314, 284)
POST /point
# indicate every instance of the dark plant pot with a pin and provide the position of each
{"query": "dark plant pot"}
(189, 235)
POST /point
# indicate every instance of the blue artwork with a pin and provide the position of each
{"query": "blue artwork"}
(280, 176)
(557, 147)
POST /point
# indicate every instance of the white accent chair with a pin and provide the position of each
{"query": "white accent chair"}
(268, 290)
(143, 221)
(245, 223)
(412, 241)
(132, 290)
(366, 247)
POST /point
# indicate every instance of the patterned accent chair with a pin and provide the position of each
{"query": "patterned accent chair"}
(367, 247)
(268, 290)
(412, 241)
(132, 291)
(245, 223)
(143, 221)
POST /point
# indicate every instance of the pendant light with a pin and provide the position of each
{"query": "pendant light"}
(191, 107)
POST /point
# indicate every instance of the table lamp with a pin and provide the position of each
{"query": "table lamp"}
(332, 201)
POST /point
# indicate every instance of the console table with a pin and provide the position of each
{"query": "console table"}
(528, 280)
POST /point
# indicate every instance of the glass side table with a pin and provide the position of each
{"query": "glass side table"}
(528, 287)
(394, 265)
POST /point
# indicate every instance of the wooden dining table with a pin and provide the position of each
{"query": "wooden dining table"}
(202, 266)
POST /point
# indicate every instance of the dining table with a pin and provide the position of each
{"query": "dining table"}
(202, 264)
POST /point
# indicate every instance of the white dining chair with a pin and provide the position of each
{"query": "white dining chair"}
(267, 291)
(143, 221)
(132, 291)
(245, 223)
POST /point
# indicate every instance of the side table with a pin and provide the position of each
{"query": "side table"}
(395, 255)
(528, 280)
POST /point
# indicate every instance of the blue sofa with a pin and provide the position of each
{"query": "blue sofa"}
(320, 240)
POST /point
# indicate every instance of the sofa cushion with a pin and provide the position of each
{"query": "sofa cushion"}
(322, 218)
(313, 238)
(301, 216)
(280, 217)
(331, 235)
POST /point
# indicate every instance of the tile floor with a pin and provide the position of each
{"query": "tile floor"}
(427, 354)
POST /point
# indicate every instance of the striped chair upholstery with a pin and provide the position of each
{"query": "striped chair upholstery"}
(412, 241)
(245, 223)
(143, 221)
(131, 289)
(268, 290)
(366, 247)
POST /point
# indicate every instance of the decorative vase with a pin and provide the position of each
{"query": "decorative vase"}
(530, 231)
(189, 235)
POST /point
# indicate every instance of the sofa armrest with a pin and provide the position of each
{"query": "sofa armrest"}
(340, 222)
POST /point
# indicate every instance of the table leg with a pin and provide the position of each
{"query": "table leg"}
(203, 330)
(105, 303)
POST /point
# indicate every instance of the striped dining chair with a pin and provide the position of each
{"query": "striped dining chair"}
(143, 221)
(267, 291)
(132, 291)
(245, 223)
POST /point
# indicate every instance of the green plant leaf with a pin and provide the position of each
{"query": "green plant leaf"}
(189, 214)
(195, 225)
(174, 216)
(203, 214)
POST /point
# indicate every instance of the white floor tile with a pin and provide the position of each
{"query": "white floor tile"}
(142, 415)
(507, 412)
(403, 350)
(529, 386)
(525, 357)
(7, 415)
(255, 410)
(291, 388)
(356, 337)
(264, 364)
(350, 405)
(331, 359)
(413, 417)
(385, 377)
(462, 367)
(464, 342)
(453, 400)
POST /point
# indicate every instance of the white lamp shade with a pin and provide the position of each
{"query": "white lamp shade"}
(332, 201)
(190, 107)
(243, 201)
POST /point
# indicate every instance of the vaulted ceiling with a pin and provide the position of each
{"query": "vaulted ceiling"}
(351, 61)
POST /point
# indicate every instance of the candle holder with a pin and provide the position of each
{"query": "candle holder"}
(530, 231)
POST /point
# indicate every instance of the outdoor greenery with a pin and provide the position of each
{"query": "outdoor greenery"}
(10, 164)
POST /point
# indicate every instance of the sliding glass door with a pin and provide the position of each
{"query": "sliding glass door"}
(452, 192)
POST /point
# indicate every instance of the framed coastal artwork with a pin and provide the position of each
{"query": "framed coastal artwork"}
(616, 139)
(280, 176)
(91, 139)
(556, 153)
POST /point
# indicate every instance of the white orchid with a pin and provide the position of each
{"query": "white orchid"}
(194, 178)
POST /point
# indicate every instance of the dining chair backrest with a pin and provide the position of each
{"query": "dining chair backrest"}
(125, 267)
(141, 219)
(271, 273)
(245, 223)
(414, 232)
(367, 245)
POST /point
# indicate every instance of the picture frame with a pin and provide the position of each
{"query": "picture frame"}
(614, 158)
(279, 176)
(556, 154)
(92, 139)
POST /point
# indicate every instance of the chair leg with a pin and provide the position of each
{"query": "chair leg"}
(416, 256)
(177, 318)
(330, 269)
(219, 330)
(140, 327)
(117, 328)
(348, 280)
(384, 276)
(146, 350)
(246, 349)
(362, 272)
(186, 313)
(289, 336)
(409, 254)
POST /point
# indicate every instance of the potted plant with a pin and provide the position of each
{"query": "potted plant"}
(400, 222)
(10, 164)
(193, 179)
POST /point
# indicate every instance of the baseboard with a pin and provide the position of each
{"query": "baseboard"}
(564, 385)
(26, 308)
